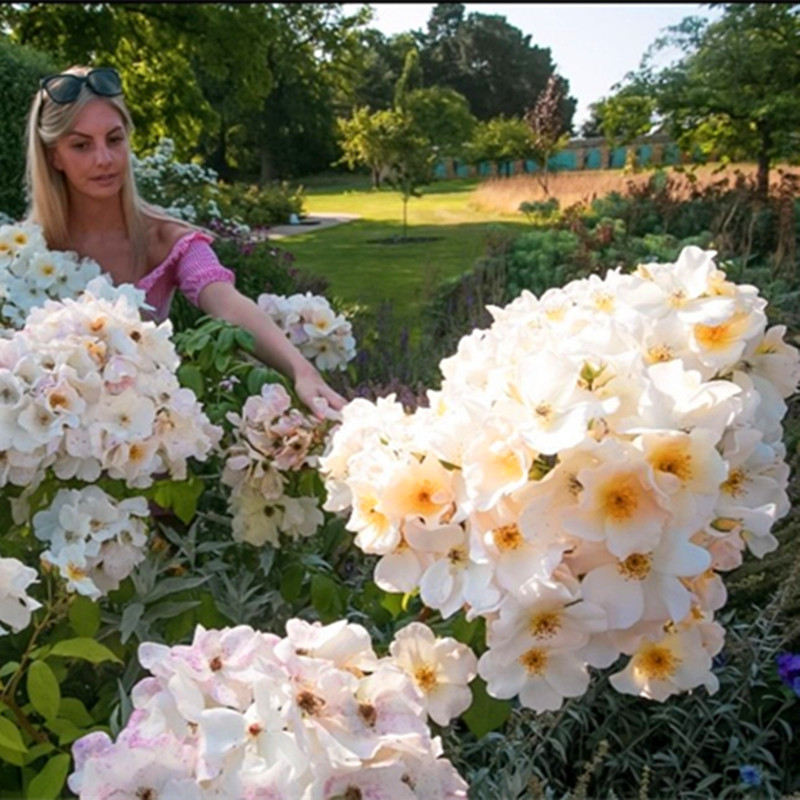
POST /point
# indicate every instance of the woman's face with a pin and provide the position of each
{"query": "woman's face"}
(93, 156)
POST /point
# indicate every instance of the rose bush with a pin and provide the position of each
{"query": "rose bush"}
(243, 714)
(592, 464)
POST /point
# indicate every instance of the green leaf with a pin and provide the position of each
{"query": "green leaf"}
(326, 597)
(84, 616)
(75, 711)
(191, 377)
(43, 689)
(245, 340)
(257, 378)
(180, 496)
(292, 582)
(10, 737)
(11, 757)
(66, 730)
(469, 633)
(130, 619)
(226, 340)
(178, 583)
(49, 781)
(222, 361)
(208, 615)
(39, 750)
(9, 668)
(169, 609)
(85, 648)
(266, 559)
(393, 603)
(486, 713)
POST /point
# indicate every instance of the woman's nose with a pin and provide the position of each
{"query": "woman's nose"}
(103, 154)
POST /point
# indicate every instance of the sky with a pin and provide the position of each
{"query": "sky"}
(592, 45)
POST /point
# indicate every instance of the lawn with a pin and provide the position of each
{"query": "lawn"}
(360, 269)
(459, 216)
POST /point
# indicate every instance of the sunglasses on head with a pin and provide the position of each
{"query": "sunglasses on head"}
(65, 87)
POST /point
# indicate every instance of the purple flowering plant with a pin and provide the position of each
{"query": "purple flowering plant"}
(750, 775)
(789, 670)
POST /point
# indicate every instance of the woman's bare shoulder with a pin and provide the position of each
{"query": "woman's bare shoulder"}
(162, 234)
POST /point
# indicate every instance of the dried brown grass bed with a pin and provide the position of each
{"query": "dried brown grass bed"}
(504, 195)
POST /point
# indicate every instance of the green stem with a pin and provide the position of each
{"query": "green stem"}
(53, 609)
(24, 722)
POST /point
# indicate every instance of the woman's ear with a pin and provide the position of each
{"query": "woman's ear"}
(55, 159)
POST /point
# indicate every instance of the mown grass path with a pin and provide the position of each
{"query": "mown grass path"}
(361, 271)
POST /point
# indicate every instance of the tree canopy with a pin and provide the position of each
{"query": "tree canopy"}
(734, 93)
(254, 89)
(489, 61)
(229, 82)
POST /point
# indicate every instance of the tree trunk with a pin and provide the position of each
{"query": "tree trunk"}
(762, 176)
(267, 167)
(219, 158)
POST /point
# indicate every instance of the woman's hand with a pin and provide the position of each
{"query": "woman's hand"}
(316, 395)
(224, 301)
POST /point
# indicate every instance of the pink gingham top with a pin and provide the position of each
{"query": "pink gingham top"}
(190, 266)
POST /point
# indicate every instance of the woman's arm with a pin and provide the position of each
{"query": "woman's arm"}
(223, 300)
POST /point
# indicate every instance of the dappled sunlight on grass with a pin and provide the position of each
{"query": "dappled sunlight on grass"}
(361, 271)
(364, 272)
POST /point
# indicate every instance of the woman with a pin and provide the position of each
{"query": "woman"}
(83, 195)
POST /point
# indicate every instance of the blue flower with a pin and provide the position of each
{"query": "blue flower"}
(750, 775)
(789, 670)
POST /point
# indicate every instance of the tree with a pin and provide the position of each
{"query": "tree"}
(443, 117)
(547, 128)
(149, 45)
(381, 61)
(252, 79)
(410, 78)
(500, 140)
(492, 63)
(735, 91)
(363, 139)
(592, 127)
(312, 59)
(411, 159)
(626, 115)
(20, 69)
(392, 145)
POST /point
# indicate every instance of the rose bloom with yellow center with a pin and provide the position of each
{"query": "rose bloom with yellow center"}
(618, 505)
(659, 668)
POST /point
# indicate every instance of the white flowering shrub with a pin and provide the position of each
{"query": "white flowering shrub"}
(593, 463)
(30, 273)
(93, 540)
(272, 444)
(89, 388)
(16, 606)
(186, 191)
(314, 715)
(322, 336)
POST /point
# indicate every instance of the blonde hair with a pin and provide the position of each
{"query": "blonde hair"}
(48, 199)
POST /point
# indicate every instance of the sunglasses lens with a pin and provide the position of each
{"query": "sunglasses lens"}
(105, 82)
(63, 88)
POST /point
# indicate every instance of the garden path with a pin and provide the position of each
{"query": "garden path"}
(311, 222)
